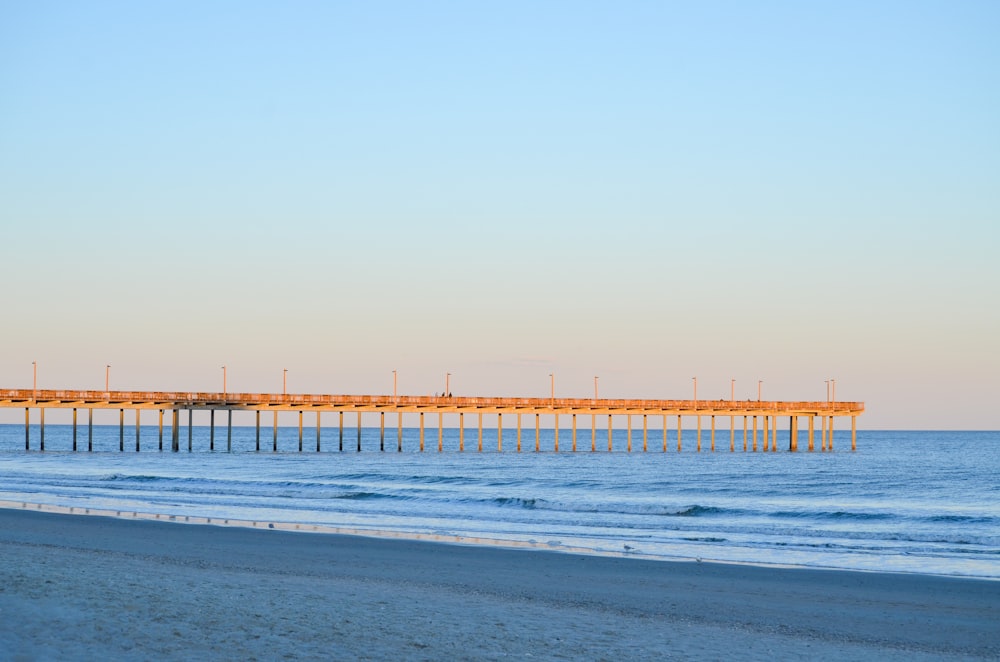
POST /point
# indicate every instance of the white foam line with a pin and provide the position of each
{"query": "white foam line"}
(427, 537)
(306, 528)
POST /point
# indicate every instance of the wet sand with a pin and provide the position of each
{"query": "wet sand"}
(87, 587)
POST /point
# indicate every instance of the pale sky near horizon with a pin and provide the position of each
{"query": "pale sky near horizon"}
(644, 191)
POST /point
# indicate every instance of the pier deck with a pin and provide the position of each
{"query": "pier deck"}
(764, 411)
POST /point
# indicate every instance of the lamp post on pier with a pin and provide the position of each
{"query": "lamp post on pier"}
(223, 380)
(107, 377)
(695, 390)
(595, 387)
(284, 381)
(393, 384)
(34, 380)
(552, 391)
(447, 385)
(732, 390)
(759, 382)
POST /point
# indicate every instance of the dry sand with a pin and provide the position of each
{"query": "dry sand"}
(79, 587)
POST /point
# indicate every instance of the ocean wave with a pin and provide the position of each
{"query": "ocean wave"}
(607, 508)
(363, 496)
(833, 515)
(136, 478)
(705, 539)
(961, 519)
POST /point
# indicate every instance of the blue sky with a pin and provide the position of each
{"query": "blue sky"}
(642, 191)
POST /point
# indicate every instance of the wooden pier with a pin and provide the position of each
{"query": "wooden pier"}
(756, 415)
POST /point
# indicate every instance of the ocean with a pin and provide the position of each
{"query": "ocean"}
(920, 502)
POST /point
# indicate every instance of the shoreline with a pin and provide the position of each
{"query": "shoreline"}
(85, 587)
(440, 538)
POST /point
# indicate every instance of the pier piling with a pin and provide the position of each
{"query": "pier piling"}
(769, 413)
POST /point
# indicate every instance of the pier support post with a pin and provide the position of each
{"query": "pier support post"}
(854, 433)
(766, 439)
(699, 432)
(555, 425)
(229, 431)
(27, 429)
(440, 432)
(461, 432)
(121, 430)
(499, 432)
(381, 430)
(610, 426)
(300, 430)
(137, 412)
(744, 434)
(74, 428)
(713, 434)
(518, 432)
(359, 431)
(732, 433)
(755, 434)
(664, 433)
(258, 430)
(774, 433)
(41, 429)
(399, 432)
(645, 431)
(190, 431)
(793, 434)
(812, 433)
(593, 432)
(274, 440)
(319, 426)
(421, 432)
(480, 449)
(829, 445)
(822, 420)
(678, 433)
(211, 429)
(341, 423)
(175, 431)
(537, 434)
(161, 429)
(574, 432)
(628, 434)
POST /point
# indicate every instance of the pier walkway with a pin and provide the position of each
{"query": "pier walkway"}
(757, 414)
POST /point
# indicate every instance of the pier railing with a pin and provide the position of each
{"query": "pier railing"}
(200, 399)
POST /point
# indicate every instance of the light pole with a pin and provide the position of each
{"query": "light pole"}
(552, 379)
(695, 388)
(827, 381)
(34, 380)
(595, 387)
(732, 390)
(107, 377)
(284, 381)
(223, 380)
(833, 390)
(393, 384)
(759, 382)
(447, 385)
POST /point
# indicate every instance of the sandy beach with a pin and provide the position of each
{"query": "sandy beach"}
(86, 587)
